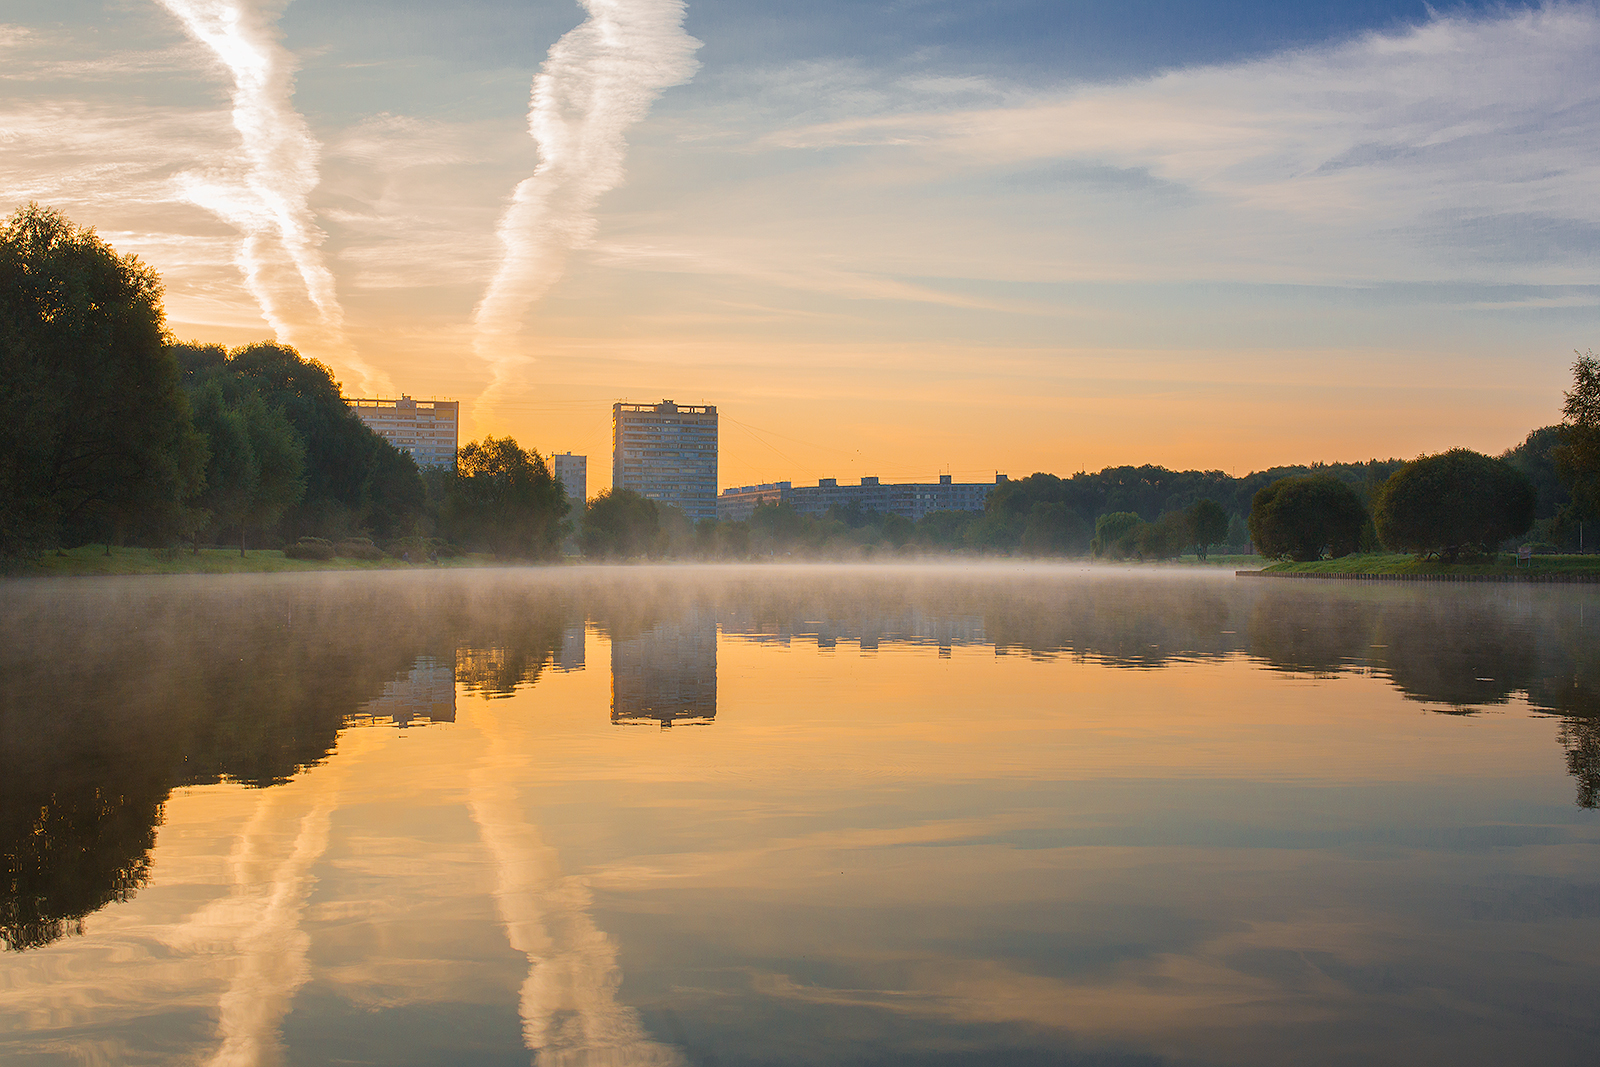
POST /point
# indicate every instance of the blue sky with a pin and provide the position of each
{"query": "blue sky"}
(887, 239)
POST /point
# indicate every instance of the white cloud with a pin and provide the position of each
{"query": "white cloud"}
(1326, 161)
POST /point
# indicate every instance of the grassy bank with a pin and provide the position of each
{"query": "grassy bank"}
(1504, 566)
(92, 559)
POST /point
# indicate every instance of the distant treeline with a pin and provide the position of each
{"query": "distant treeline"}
(1146, 512)
(118, 433)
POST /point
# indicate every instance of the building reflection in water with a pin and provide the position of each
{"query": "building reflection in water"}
(424, 694)
(570, 656)
(666, 674)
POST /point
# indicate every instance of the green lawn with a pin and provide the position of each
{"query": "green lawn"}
(1402, 564)
(92, 559)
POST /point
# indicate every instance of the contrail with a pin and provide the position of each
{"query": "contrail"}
(598, 80)
(269, 205)
(571, 1016)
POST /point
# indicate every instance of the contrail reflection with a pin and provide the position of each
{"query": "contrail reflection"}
(261, 918)
(272, 947)
(570, 1014)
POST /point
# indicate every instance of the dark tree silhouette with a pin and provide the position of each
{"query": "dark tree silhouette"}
(1304, 518)
(1452, 502)
(97, 439)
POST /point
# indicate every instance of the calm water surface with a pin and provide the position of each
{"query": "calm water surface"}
(798, 816)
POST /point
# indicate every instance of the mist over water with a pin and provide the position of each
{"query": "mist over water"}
(811, 814)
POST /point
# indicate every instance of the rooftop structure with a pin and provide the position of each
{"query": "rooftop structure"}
(667, 452)
(910, 499)
(427, 429)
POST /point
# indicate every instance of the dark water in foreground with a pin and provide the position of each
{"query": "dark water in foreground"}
(908, 816)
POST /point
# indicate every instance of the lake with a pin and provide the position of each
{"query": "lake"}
(798, 815)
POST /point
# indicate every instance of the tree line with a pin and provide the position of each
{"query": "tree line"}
(120, 433)
(1451, 505)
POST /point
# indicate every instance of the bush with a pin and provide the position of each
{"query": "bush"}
(422, 549)
(1303, 518)
(1452, 502)
(359, 548)
(310, 548)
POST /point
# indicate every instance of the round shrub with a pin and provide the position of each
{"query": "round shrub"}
(359, 548)
(1453, 502)
(310, 548)
(1306, 517)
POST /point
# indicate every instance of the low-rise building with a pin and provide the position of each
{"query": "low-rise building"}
(913, 500)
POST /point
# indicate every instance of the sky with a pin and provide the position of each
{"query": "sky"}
(895, 239)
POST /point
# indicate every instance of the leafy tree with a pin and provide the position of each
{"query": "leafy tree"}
(1053, 529)
(777, 526)
(1577, 457)
(947, 530)
(505, 498)
(257, 464)
(1302, 518)
(717, 539)
(1535, 457)
(1208, 526)
(1453, 501)
(1238, 539)
(97, 436)
(619, 524)
(355, 480)
(1165, 538)
(1114, 534)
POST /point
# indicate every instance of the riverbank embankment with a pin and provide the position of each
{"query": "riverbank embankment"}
(1395, 568)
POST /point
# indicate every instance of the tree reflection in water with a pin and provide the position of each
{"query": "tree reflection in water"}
(115, 692)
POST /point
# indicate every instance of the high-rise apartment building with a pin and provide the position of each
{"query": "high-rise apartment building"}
(667, 452)
(428, 429)
(573, 474)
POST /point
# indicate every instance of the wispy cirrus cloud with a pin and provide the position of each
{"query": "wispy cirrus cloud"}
(1466, 142)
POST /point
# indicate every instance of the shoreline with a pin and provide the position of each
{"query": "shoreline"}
(1371, 576)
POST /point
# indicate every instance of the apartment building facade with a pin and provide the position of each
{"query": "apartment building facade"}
(668, 453)
(573, 474)
(428, 429)
(912, 500)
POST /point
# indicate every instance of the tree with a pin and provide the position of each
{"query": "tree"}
(1301, 518)
(620, 523)
(1208, 525)
(505, 498)
(257, 464)
(1165, 538)
(1053, 529)
(1535, 457)
(1451, 502)
(356, 482)
(1114, 533)
(97, 436)
(1577, 458)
